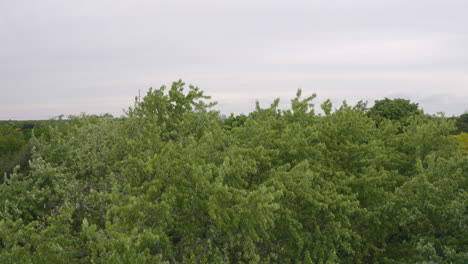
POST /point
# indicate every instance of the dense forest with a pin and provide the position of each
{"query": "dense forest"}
(171, 182)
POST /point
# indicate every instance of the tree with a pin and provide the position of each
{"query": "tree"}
(462, 139)
(14, 149)
(462, 123)
(393, 109)
(171, 182)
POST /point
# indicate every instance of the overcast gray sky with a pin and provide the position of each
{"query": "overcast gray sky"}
(66, 57)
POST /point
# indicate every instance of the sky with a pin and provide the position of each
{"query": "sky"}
(94, 56)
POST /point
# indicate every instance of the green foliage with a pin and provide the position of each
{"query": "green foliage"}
(462, 139)
(235, 121)
(172, 183)
(13, 148)
(462, 123)
(393, 109)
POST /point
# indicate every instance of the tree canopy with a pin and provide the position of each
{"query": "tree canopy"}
(393, 109)
(462, 123)
(170, 182)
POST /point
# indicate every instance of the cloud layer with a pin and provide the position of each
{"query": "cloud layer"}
(67, 57)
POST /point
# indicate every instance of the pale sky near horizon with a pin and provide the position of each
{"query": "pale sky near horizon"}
(67, 57)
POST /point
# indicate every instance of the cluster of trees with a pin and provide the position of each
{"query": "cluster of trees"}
(14, 149)
(170, 182)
